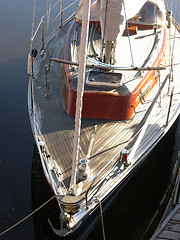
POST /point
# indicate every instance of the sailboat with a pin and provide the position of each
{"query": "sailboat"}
(103, 91)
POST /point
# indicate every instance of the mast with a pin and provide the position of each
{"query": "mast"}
(80, 91)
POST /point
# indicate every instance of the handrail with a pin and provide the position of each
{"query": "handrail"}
(64, 23)
(60, 25)
(60, 13)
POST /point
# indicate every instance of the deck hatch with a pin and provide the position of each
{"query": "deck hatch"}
(104, 79)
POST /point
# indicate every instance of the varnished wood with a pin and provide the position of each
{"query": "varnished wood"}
(107, 68)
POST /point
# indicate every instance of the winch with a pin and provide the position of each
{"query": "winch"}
(83, 172)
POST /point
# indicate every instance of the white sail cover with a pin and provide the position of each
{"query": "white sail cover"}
(115, 19)
(117, 13)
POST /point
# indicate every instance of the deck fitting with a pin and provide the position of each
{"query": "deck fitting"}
(83, 172)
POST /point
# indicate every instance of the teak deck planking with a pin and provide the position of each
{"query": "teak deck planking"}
(57, 128)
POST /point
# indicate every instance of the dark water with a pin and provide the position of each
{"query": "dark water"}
(22, 187)
(16, 140)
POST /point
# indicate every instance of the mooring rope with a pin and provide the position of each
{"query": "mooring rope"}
(28, 216)
(101, 213)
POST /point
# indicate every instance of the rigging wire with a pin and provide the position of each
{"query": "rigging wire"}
(32, 32)
(47, 28)
(172, 54)
(63, 10)
(158, 50)
(31, 75)
(104, 32)
(171, 66)
(53, 49)
(52, 7)
(128, 34)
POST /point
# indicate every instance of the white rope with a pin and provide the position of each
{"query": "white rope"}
(101, 213)
(80, 90)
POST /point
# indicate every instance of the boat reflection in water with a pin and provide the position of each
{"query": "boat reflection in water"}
(135, 210)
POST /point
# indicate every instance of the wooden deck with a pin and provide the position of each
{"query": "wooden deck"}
(170, 228)
(101, 140)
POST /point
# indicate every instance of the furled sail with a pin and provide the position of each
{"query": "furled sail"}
(80, 91)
